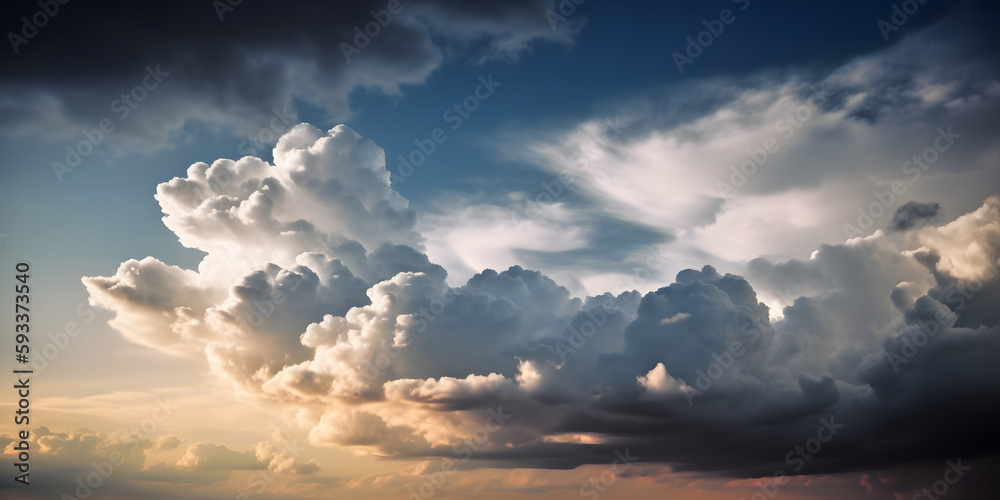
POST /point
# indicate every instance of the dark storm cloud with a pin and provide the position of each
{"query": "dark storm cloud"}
(926, 394)
(235, 67)
(913, 214)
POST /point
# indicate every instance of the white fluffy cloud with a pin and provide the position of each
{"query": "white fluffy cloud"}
(315, 296)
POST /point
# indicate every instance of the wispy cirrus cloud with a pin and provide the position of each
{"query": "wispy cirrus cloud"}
(770, 164)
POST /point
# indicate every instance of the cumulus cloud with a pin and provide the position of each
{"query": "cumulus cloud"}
(315, 296)
(967, 246)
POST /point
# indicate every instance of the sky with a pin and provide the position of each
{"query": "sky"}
(519, 249)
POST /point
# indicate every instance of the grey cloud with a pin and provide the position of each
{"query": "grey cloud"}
(914, 213)
(235, 73)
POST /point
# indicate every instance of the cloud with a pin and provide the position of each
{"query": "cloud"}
(966, 246)
(166, 443)
(914, 213)
(242, 69)
(83, 462)
(208, 456)
(77, 454)
(730, 168)
(658, 381)
(315, 296)
(293, 206)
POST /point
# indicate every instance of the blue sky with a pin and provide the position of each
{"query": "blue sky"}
(824, 172)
